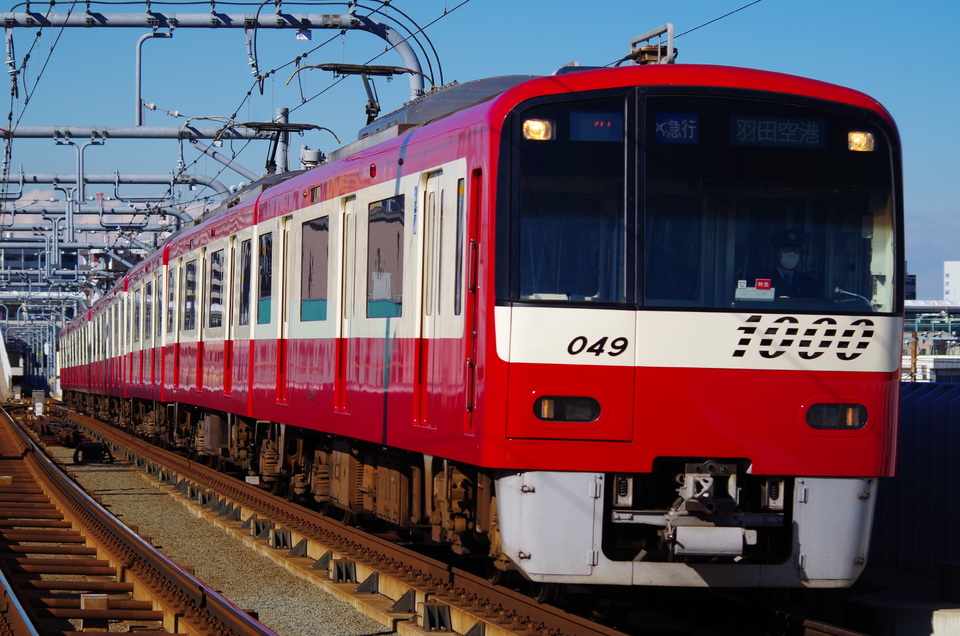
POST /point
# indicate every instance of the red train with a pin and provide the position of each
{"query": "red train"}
(633, 326)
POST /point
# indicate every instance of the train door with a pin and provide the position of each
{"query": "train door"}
(214, 343)
(158, 381)
(241, 369)
(443, 351)
(228, 318)
(172, 352)
(114, 316)
(201, 313)
(188, 324)
(264, 332)
(428, 343)
(128, 350)
(346, 367)
(149, 348)
(284, 318)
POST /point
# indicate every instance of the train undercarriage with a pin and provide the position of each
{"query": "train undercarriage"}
(685, 522)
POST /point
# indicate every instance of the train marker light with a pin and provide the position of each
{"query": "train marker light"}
(546, 409)
(860, 141)
(538, 129)
(837, 417)
(562, 408)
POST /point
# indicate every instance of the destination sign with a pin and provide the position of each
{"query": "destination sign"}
(778, 132)
(677, 128)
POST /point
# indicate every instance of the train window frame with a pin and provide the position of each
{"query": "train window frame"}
(314, 269)
(285, 262)
(215, 286)
(540, 192)
(135, 311)
(881, 226)
(159, 306)
(385, 275)
(116, 318)
(265, 278)
(148, 312)
(806, 197)
(245, 267)
(172, 278)
(108, 336)
(189, 295)
(432, 245)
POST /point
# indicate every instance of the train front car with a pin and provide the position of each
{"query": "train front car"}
(697, 327)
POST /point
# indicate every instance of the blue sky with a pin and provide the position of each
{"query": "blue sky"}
(904, 54)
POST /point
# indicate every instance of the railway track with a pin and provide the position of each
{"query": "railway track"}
(69, 567)
(405, 590)
(402, 588)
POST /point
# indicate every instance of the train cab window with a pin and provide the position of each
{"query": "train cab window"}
(246, 264)
(190, 296)
(315, 257)
(215, 308)
(571, 210)
(741, 202)
(265, 287)
(385, 258)
(763, 205)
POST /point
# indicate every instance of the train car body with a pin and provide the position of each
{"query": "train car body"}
(556, 321)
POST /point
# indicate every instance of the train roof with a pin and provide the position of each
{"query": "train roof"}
(434, 105)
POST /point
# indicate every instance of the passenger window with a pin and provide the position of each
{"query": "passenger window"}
(266, 279)
(246, 260)
(136, 315)
(159, 306)
(190, 296)
(147, 311)
(171, 298)
(313, 269)
(385, 258)
(215, 309)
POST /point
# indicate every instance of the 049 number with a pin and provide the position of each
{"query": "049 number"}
(580, 344)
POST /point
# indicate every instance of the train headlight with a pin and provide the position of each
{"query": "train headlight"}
(538, 129)
(562, 408)
(860, 141)
(837, 417)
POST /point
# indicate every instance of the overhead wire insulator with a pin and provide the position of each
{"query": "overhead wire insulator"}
(251, 34)
(13, 72)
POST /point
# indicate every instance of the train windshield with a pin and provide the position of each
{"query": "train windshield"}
(739, 203)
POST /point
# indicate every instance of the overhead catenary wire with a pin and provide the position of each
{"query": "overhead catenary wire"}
(11, 125)
(700, 26)
(717, 19)
(403, 22)
(375, 57)
(336, 81)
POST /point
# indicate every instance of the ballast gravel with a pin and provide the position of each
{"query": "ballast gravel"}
(285, 603)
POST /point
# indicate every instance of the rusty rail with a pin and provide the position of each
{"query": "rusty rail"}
(55, 538)
(430, 594)
(438, 588)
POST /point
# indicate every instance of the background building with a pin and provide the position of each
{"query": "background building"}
(951, 281)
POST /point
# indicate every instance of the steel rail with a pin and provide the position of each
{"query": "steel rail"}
(181, 602)
(477, 606)
(436, 582)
